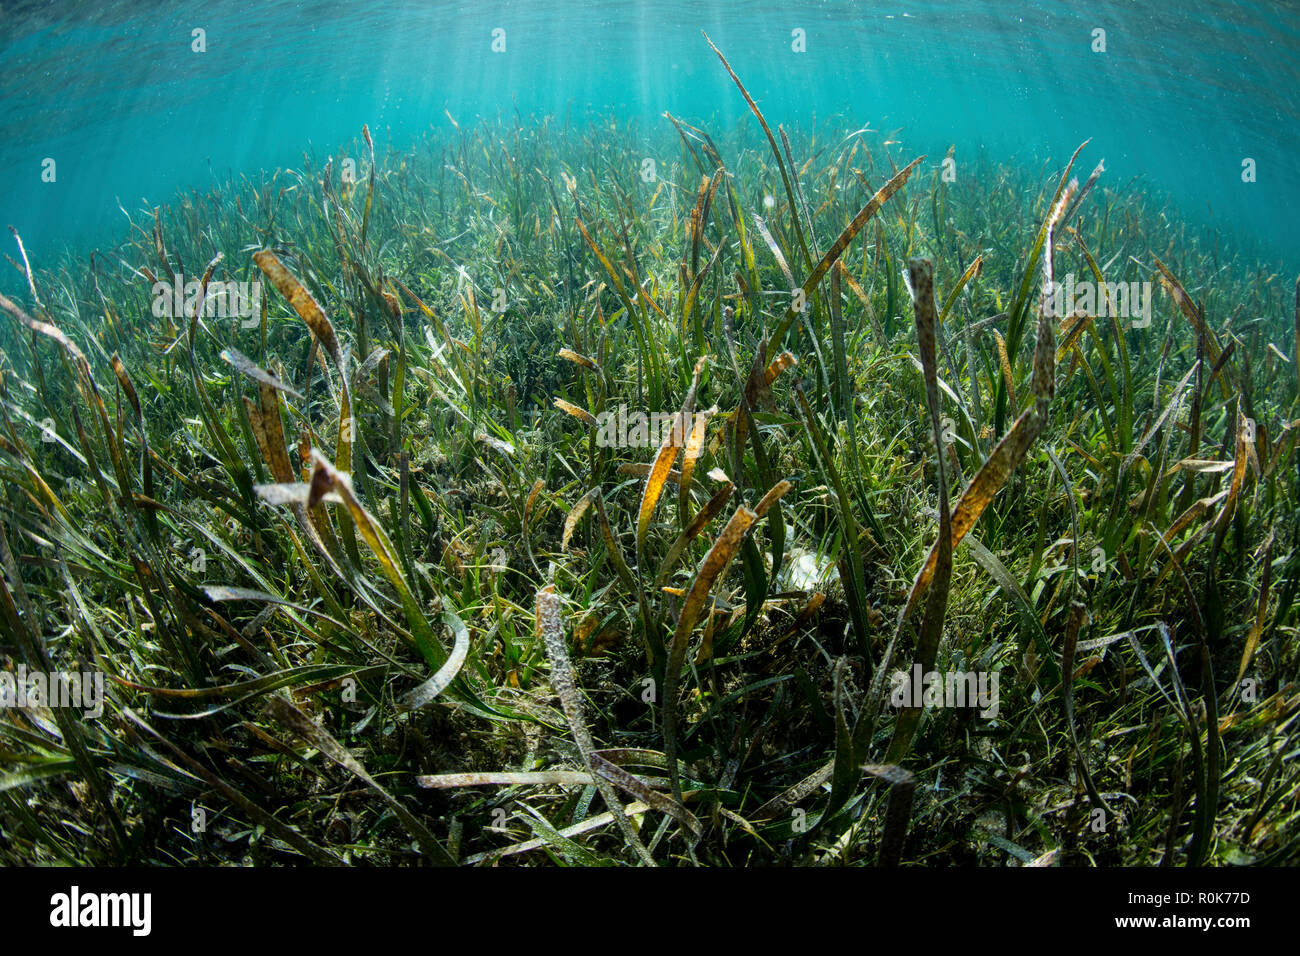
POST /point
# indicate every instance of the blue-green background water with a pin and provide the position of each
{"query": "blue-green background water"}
(115, 95)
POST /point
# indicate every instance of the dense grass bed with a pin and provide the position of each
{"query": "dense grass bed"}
(374, 577)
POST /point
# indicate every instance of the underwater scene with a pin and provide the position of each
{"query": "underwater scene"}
(714, 434)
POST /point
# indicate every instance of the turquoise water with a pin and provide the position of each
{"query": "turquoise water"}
(115, 94)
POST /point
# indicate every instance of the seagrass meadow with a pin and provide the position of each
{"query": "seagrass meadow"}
(369, 584)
